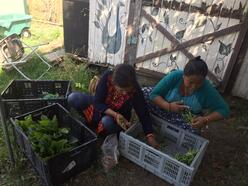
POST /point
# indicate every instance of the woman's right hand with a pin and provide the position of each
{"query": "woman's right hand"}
(177, 106)
(152, 141)
(122, 122)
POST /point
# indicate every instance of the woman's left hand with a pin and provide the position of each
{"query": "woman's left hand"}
(199, 122)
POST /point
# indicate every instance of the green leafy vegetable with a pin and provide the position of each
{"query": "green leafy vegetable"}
(186, 158)
(48, 96)
(45, 136)
(188, 116)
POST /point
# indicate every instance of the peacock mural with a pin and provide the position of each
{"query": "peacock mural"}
(107, 10)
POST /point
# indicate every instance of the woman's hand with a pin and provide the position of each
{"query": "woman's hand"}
(151, 141)
(177, 106)
(199, 122)
(122, 122)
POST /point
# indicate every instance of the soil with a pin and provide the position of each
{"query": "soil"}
(225, 161)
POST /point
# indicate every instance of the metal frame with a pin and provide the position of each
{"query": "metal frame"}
(8, 61)
(6, 132)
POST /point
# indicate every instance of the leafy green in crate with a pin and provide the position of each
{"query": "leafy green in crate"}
(45, 136)
(186, 158)
(48, 96)
(188, 116)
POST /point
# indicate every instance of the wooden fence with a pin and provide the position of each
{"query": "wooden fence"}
(163, 35)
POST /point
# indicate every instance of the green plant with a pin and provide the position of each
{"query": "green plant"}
(48, 96)
(186, 158)
(80, 86)
(46, 137)
(188, 116)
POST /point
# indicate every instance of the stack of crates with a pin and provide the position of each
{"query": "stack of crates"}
(63, 166)
(23, 96)
(163, 163)
(26, 98)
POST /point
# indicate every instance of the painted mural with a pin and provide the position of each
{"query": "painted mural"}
(109, 20)
(185, 20)
(162, 28)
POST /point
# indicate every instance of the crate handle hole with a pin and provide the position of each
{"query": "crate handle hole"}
(173, 129)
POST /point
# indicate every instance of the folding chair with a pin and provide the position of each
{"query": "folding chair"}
(12, 53)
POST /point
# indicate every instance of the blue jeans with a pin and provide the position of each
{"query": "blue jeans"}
(110, 126)
(80, 101)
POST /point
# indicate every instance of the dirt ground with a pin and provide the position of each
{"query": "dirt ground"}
(225, 161)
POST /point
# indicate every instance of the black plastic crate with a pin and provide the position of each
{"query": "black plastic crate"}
(23, 96)
(63, 166)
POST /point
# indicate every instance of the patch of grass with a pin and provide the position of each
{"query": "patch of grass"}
(21, 174)
(3, 152)
(51, 34)
(34, 68)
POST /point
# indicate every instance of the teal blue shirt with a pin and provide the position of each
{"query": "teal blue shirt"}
(206, 98)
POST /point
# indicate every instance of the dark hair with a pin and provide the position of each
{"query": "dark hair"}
(124, 76)
(196, 66)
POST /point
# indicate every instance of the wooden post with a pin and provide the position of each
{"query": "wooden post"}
(132, 31)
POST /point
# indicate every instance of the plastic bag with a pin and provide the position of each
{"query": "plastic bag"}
(110, 152)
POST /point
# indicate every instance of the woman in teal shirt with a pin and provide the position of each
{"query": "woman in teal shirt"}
(188, 89)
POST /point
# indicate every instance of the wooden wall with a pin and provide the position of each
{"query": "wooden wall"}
(240, 78)
(107, 30)
(165, 35)
(164, 27)
(185, 20)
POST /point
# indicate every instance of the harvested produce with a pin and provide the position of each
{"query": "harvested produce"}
(188, 116)
(45, 136)
(186, 158)
(122, 123)
(48, 96)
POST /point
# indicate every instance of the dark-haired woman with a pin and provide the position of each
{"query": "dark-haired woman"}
(187, 89)
(109, 110)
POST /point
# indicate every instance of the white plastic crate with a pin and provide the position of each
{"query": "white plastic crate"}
(160, 163)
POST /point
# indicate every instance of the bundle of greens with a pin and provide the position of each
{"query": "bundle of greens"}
(186, 158)
(46, 138)
(188, 116)
(48, 96)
